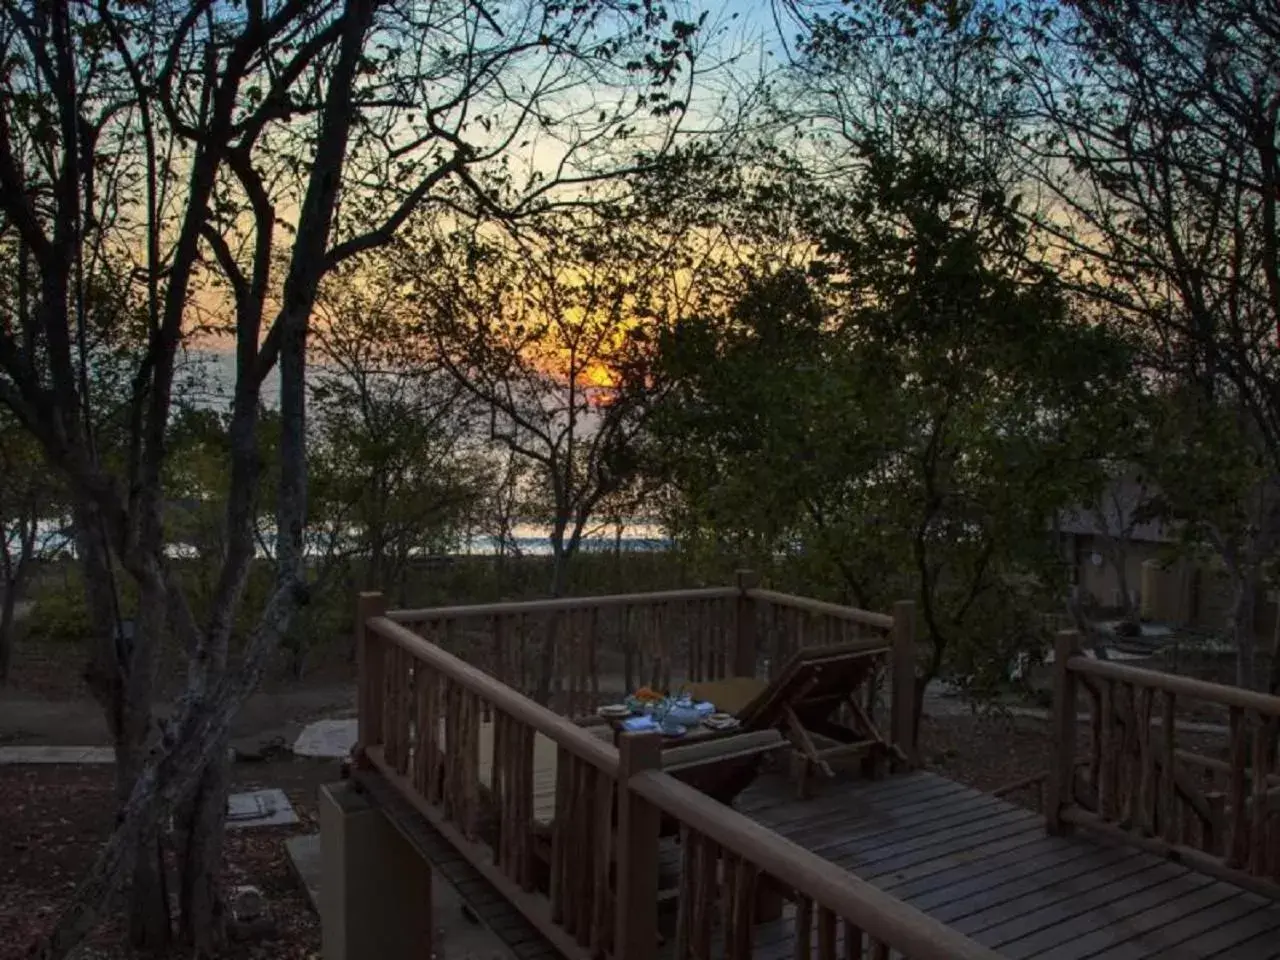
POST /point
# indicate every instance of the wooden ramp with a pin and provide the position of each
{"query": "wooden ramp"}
(986, 868)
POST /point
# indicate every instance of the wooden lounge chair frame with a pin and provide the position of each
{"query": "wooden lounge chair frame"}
(813, 685)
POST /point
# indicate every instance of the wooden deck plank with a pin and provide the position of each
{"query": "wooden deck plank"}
(876, 846)
(1039, 928)
(944, 853)
(969, 855)
(1133, 929)
(1039, 851)
(1237, 926)
(831, 804)
(985, 892)
(1118, 911)
(1048, 905)
(1194, 925)
(929, 817)
(986, 867)
(966, 854)
(905, 788)
(837, 840)
(1261, 946)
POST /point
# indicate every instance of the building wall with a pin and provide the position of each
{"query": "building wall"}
(1180, 593)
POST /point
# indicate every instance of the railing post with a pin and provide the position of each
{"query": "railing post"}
(902, 709)
(744, 653)
(370, 657)
(635, 929)
(1062, 773)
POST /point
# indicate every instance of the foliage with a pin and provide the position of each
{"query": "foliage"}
(393, 463)
(1152, 131)
(209, 165)
(548, 335)
(33, 524)
(906, 419)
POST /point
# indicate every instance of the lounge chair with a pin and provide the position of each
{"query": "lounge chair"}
(804, 700)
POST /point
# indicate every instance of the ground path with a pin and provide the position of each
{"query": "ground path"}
(266, 717)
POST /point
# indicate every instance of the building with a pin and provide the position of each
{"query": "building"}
(1125, 562)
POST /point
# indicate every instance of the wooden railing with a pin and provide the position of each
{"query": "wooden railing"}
(421, 726)
(461, 747)
(574, 653)
(1136, 784)
(568, 652)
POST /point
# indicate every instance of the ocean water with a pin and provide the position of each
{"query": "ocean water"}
(208, 379)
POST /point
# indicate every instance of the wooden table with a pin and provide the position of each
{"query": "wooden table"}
(692, 734)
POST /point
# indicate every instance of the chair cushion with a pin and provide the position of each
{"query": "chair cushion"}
(729, 695)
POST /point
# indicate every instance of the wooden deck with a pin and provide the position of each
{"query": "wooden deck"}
(911, 866)
(986, 867)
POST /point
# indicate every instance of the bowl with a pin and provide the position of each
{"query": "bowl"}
(683, 715)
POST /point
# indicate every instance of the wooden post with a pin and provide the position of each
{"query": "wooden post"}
(635, 934)
(1062, 772)
(902, 709)
(744, 654)
(370, 659)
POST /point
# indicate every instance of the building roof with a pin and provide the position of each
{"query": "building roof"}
(1115, 512)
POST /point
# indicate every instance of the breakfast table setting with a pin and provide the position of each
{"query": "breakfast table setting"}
(676, 715)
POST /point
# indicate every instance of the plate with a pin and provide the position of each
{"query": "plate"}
(728, 724)
(614, 711)
(720, 717)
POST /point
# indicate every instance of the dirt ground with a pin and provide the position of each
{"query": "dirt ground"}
(270, 715)
(57, 816)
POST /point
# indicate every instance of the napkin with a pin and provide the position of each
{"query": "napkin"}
(639, 724)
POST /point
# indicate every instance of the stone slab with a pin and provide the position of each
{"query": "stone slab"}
(31, 754)
(304, 854)
(259, 808)
(327, 739)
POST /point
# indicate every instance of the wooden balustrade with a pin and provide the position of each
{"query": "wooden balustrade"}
(729, 860)
(574, 653)
(786, 624)
(570, 653)
(461, 745)
(467, 750)
(1138, 786)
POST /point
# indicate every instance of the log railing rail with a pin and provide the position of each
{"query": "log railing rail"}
(573, 653)
(564, 651)
(588, 880)
(1136, 785)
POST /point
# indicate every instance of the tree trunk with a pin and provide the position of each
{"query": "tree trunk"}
(559, 570)
(8, 606)
(148, 903)
(1273, 673)
(202, 917)
(120, 677)
(547, 656)
(1119, 560)
(149, 927)
(1242, 629)
(917, 707)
